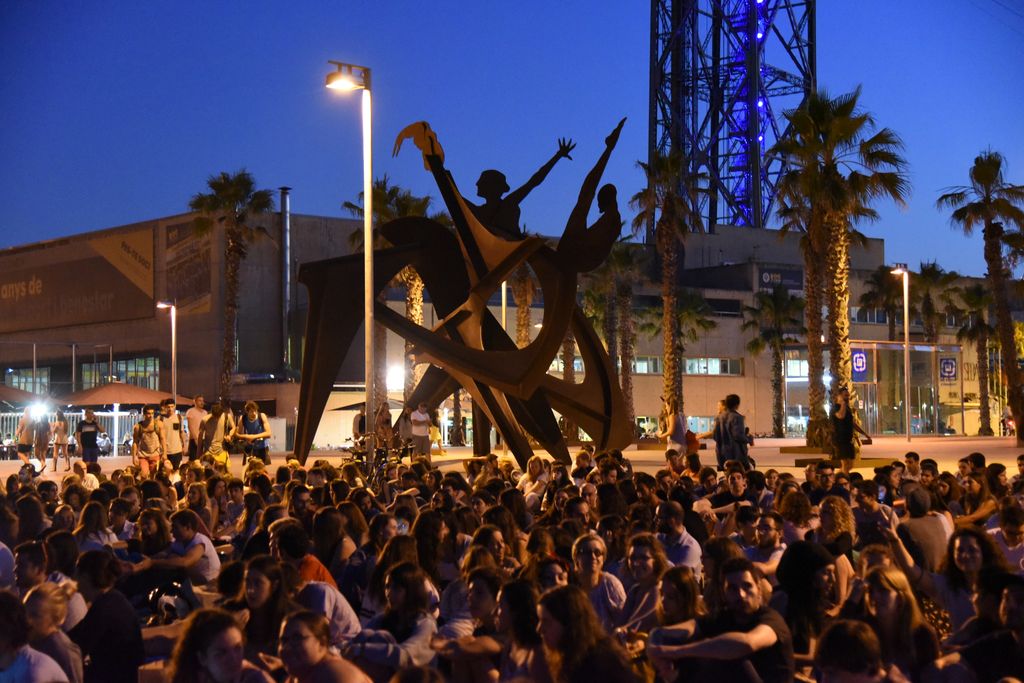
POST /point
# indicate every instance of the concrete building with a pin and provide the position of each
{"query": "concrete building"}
(70, 307)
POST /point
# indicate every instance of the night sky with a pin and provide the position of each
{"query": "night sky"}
(116, 112)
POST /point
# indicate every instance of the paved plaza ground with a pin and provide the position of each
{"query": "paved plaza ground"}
(946, 450)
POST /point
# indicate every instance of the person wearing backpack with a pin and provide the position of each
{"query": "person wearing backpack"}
(254, 431)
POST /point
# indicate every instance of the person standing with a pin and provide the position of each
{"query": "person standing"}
(148, 447)
(843, 428)
(86, 433)
(59, 430)
(170, 422)
(421, 430)
(25, 436)
(194, 417)
(254, 428)
(214, 431)
(735, 439)
(359, 425)
(673, 427)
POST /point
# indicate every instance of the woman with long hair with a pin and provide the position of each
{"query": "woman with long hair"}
(950, 492)
(978, 502)
(577, 647)
(32, 520)
(398, 550)
(514, 537)
(717, 551)
(892, 611)
(265, 599)
(798, 515)
(401, 635)
(646, 563)
(475, 657)
(154, 531)
(92, 532)
(211, 649)
(679, 602)
(430, 533)
(613, 530)
(46, 606)
(533, 482)
(360, 566)
(248, 521)
(59, 432)
(197, 500)
(968, 551)
(838, 534)
(354, 521)
(331, 545)
(607, 596)
(454, 606)
(305, 651)
(522, 657)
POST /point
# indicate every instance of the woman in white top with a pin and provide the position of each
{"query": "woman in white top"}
(533, 482)
(59, 432)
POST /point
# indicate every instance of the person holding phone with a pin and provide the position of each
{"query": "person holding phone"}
(170, 422)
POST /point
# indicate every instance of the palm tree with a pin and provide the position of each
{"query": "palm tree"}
(674, 214)
(627, 264)
(458, 436)
(775, 316)
(991, 202)
(838, 164)
(693, 318)
(796, 215)
(570, 432)
(232, 200)
(971, 304)
(927, 288)
(884, 292)
(391, 202)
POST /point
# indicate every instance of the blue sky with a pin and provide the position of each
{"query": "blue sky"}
(115, 112)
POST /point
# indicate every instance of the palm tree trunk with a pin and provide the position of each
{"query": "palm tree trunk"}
(838, 287)
(458, 436)
(413, 313)
(610, 328)
(890, 318)
(380, 360)
(522, 294)
(778, 409)
(627, 340)
(229, 352)
(817, 422)
(570, 431)
(1004, 323)
(672, 390)
(984, 413)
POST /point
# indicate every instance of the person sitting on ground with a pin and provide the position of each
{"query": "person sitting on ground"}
(746, 633)
(18, 660)
(849, 651)
(30, 571)
(289, 543)
(46, 606)
(191, 553)
(211, 649)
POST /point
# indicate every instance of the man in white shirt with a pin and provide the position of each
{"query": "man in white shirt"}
(171, 423)
(421, 430)
(194, 417)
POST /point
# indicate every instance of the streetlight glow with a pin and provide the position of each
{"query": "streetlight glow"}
(346, 78)
(901, 270)
(173, 308)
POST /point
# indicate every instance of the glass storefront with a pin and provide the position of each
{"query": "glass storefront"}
(936, 388)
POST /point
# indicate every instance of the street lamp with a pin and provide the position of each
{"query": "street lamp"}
(174, 348)
(902, 270)
(346, 78)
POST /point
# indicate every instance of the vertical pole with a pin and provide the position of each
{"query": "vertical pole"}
(110, 362)
(174, 355)
(368, 288)
(35, 381)
(74, 368)
(906, 351)
(504, 305)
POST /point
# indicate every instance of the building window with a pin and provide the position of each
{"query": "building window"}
(647, 365)
(21, 378)
(797, 368)
(713, 366)
(557, 365)
(142, 372)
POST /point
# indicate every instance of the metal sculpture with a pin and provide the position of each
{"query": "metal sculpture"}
(468, 347)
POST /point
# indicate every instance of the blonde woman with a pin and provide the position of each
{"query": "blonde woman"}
(908, 642)
(59, 432)
(838, 534)
(46, 607)
(533, 482)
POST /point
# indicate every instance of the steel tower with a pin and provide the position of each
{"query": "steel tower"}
(722, 74)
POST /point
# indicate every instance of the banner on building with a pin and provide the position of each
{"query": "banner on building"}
(790, 278)
(859, 360)
(187, 256)
(77, 281)
(947, 369)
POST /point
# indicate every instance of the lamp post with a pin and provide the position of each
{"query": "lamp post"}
(346, 78)
(902, 270)
(174, 348)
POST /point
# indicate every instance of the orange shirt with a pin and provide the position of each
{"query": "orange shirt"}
(312, 569)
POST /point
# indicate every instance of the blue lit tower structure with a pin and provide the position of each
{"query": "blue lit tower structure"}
(722, 74)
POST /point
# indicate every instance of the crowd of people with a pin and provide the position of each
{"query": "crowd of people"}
(219, 568)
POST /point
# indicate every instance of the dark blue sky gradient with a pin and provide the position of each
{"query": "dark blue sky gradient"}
(115, 112)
